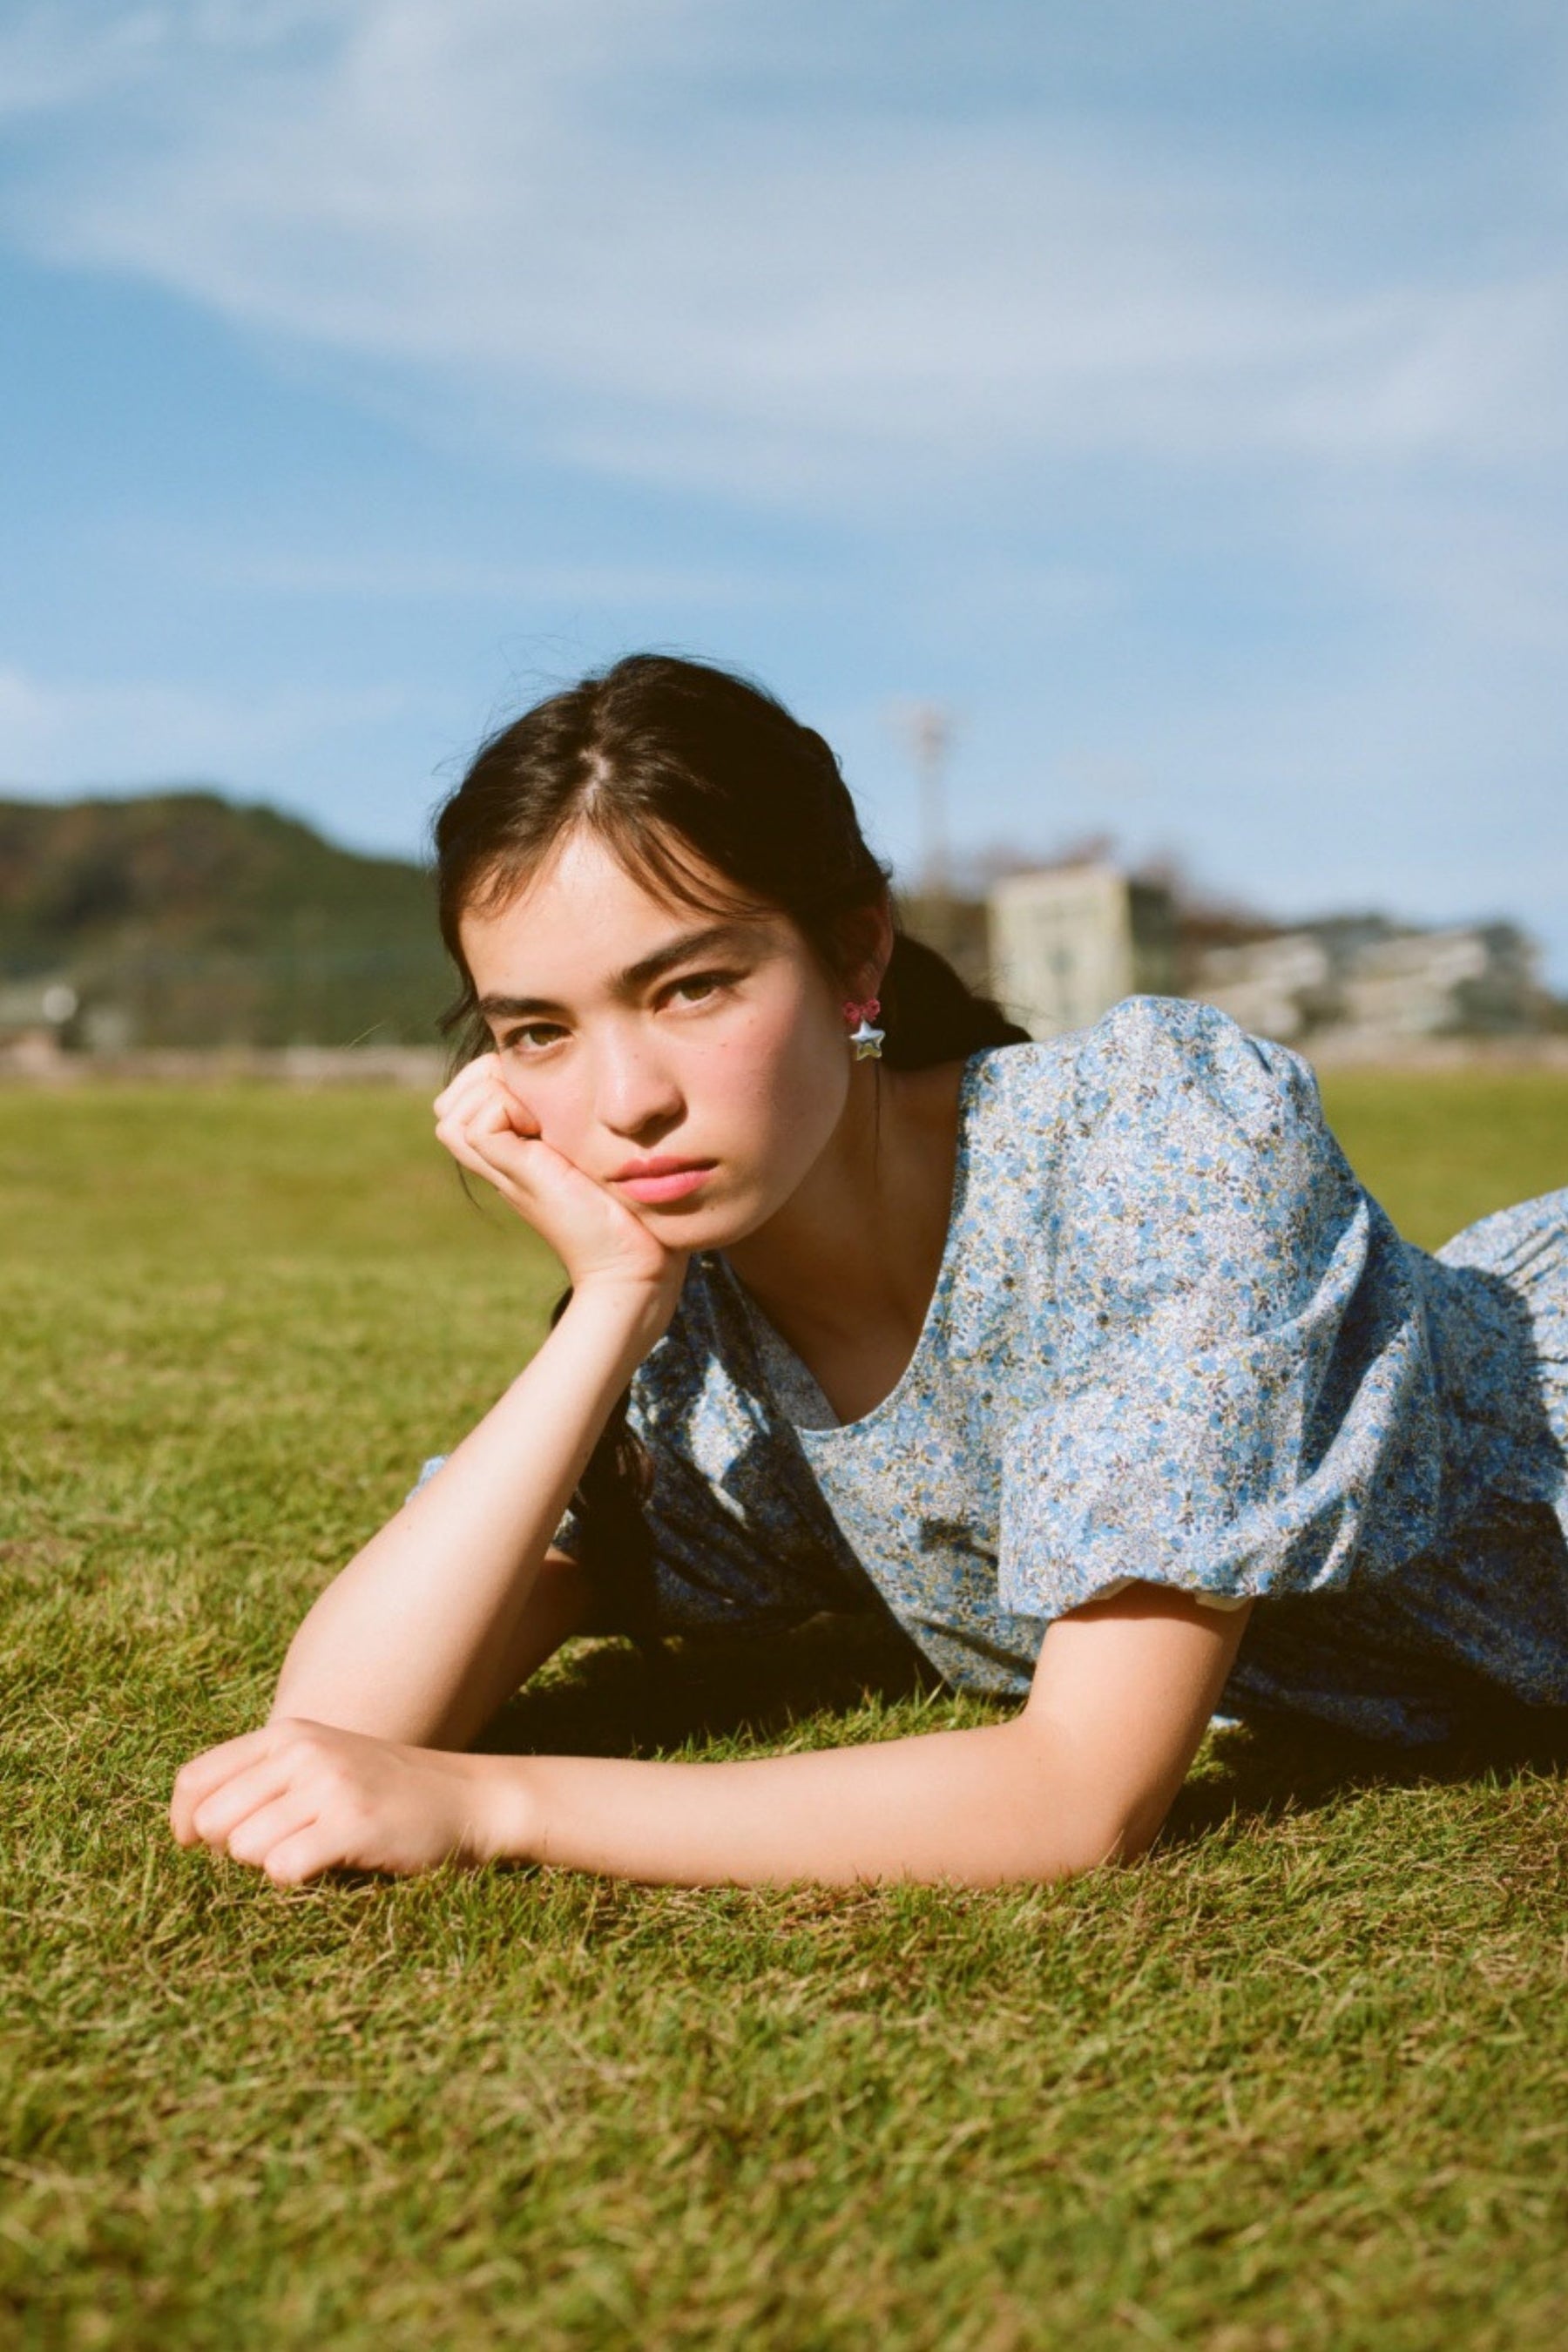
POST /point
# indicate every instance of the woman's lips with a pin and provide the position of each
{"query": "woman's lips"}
(657, 1181)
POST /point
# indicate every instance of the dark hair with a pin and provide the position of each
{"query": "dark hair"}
(676, 764)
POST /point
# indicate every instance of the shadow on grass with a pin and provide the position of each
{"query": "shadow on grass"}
(1261, 1770)
(604, 1700)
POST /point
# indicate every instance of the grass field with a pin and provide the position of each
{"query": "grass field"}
(1298, 2080)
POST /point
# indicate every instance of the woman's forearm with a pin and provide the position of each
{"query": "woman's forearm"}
(413, 1640)
(1123, 1691)
(981, 1808)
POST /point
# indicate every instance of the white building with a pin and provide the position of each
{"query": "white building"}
(1427, 983)
(1068, 942)
(1273, 987)
(1366, 980)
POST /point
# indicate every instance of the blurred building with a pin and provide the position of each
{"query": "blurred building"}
(1278, 987)
(954, 923)
(34, 1016)
(1067, 942)
(1364, 979)
(1481, 979)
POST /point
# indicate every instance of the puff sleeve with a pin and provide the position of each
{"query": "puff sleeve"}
(1243, 1401)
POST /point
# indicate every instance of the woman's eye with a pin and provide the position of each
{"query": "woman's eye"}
(533, 1038)
(697, 985)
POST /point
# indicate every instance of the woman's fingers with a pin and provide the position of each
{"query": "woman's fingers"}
(504, 1152)
(303, 1853)
(258, 1837)
(268, 1790)
(454, 1137)
(481, 1107)
(493, 1134)
(313, 1797)
(248, 1792)
(498, 1109)
(226, 1786)
(462, 1100)
(499, 1112)
(487, 1158)
(475, 1107)
(482, 1072)
(196, 1779)
(490, 1132)
(481, 1084)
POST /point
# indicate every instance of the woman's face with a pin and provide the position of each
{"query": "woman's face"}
(693, 1062)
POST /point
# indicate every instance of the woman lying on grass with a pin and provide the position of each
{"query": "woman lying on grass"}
(1090, 1361)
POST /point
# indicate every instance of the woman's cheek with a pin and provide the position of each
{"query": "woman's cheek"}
(751, 1075)
(551, 1108)
(793, 1100)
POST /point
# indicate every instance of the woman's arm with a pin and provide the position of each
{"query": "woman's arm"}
(1084, 1774)
(442, 1613)
(440, 1616)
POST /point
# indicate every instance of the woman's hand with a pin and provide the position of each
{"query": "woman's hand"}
(597, 1237)
(296, 1798)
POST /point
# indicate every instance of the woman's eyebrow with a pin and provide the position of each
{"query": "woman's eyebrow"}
(717, 937)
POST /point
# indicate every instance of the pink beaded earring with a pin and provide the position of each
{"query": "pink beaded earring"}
(866, 1041)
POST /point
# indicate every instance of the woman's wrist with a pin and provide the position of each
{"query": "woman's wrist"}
(506, 1825)
(632, 1313)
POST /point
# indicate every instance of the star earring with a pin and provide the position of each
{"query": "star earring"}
(866, 1041)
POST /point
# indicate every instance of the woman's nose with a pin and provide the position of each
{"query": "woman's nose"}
(636, 1090)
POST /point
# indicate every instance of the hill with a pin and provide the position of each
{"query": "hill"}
(183, 919)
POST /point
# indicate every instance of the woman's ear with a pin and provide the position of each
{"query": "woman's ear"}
(866, 948)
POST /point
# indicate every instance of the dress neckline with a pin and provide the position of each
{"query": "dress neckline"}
(792, 1382)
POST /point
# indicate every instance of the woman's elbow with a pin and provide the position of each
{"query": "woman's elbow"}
(1082, 1825)
(1081, 1847)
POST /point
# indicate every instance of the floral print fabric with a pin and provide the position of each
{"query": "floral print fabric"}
(1172, 1339)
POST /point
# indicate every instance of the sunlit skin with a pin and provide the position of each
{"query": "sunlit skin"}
(631, 1029)
(626, 1025)
(831, 1180)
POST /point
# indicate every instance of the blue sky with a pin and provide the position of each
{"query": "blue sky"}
(1179, 394)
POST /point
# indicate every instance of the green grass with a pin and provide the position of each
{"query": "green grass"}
(1299, 2080)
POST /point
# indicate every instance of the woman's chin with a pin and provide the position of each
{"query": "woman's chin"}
(698, 1224)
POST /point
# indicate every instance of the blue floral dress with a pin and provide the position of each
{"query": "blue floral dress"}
(1172, 1339)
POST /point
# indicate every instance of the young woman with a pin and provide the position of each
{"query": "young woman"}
(1090, 1361)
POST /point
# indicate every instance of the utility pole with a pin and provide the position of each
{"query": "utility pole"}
(928, 728)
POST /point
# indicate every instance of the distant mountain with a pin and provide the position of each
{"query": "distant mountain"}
(180, 918)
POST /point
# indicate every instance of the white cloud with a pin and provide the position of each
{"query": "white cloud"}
(48, 66)
(1090, 339)
(571, 215)
(427, 579)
